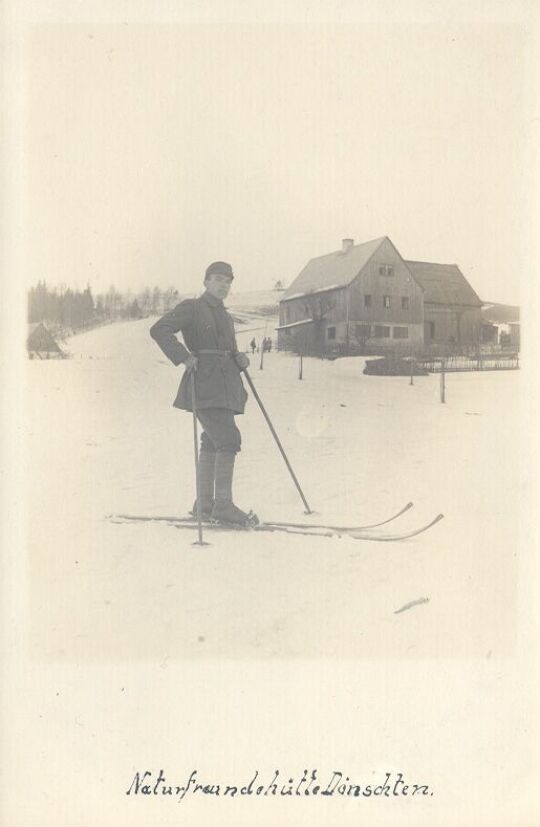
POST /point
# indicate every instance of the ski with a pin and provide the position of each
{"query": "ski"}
(190, 523)
(389, 538)
(344, 528)
(334, 528)
(323, 531)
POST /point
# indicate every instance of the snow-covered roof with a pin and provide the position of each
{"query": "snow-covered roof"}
(333, 270)
(443, 283)
(294, 324)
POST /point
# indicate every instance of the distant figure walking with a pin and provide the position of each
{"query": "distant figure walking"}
(253, 345)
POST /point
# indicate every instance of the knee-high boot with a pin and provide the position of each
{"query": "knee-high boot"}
(224, 508)
(207, 465)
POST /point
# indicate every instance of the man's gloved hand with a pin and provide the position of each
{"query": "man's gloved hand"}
(242, 361)
(191, 362)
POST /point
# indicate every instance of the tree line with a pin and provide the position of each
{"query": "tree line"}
(64, 309)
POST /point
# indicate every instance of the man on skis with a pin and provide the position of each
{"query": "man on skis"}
(210, 351)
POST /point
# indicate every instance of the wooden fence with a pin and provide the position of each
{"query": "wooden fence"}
(501, 360)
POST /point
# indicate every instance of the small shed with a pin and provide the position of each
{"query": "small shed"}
(40, 343)
(505, 319)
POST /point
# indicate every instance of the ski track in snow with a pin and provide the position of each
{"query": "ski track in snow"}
(103, 438)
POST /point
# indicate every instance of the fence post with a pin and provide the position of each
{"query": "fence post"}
(300, 369)
(443, 381)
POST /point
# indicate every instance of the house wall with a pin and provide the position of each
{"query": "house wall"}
(295, 310)
(399, 284)
(453, 325)
(299, 340)
(372, 337)
(311, 338)
(366, 321)
(515, 335)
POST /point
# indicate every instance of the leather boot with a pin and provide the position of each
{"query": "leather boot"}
(225, 510)
(207, 464)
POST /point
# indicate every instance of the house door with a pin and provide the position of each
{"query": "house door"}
(429, 331)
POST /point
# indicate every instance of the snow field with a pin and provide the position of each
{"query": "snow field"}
(103, 438)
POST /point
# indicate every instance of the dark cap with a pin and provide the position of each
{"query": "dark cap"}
(220, 267)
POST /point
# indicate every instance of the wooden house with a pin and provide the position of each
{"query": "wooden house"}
(362, 297)
(365, 298)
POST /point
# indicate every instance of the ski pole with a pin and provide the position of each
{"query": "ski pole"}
(200, 541)
(279, 445)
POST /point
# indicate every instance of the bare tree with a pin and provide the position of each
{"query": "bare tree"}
(318, 307)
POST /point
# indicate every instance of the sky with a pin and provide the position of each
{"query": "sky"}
(152, 149)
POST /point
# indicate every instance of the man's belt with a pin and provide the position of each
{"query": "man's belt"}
(215, 353)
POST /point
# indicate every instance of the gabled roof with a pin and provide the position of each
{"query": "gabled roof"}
(333, 270)
(443, 283)
(39, 338)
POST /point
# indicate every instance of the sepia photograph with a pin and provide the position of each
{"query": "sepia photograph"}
(269, 432)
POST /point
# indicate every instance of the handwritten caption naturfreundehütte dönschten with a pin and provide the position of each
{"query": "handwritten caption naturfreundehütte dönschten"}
(336, 784)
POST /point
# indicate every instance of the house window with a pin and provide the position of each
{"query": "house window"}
(401, 333)
(382, 332)
(386, 270)
(367, 300)
(363, 331)
(404, 302)
(331, 332)
(386, 302)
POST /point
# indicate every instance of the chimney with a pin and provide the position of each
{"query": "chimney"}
(346, 244)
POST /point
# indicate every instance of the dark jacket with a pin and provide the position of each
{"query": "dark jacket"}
(205, 325)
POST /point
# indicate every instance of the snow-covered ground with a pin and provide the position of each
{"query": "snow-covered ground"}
(256, 298)
(103, 438)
